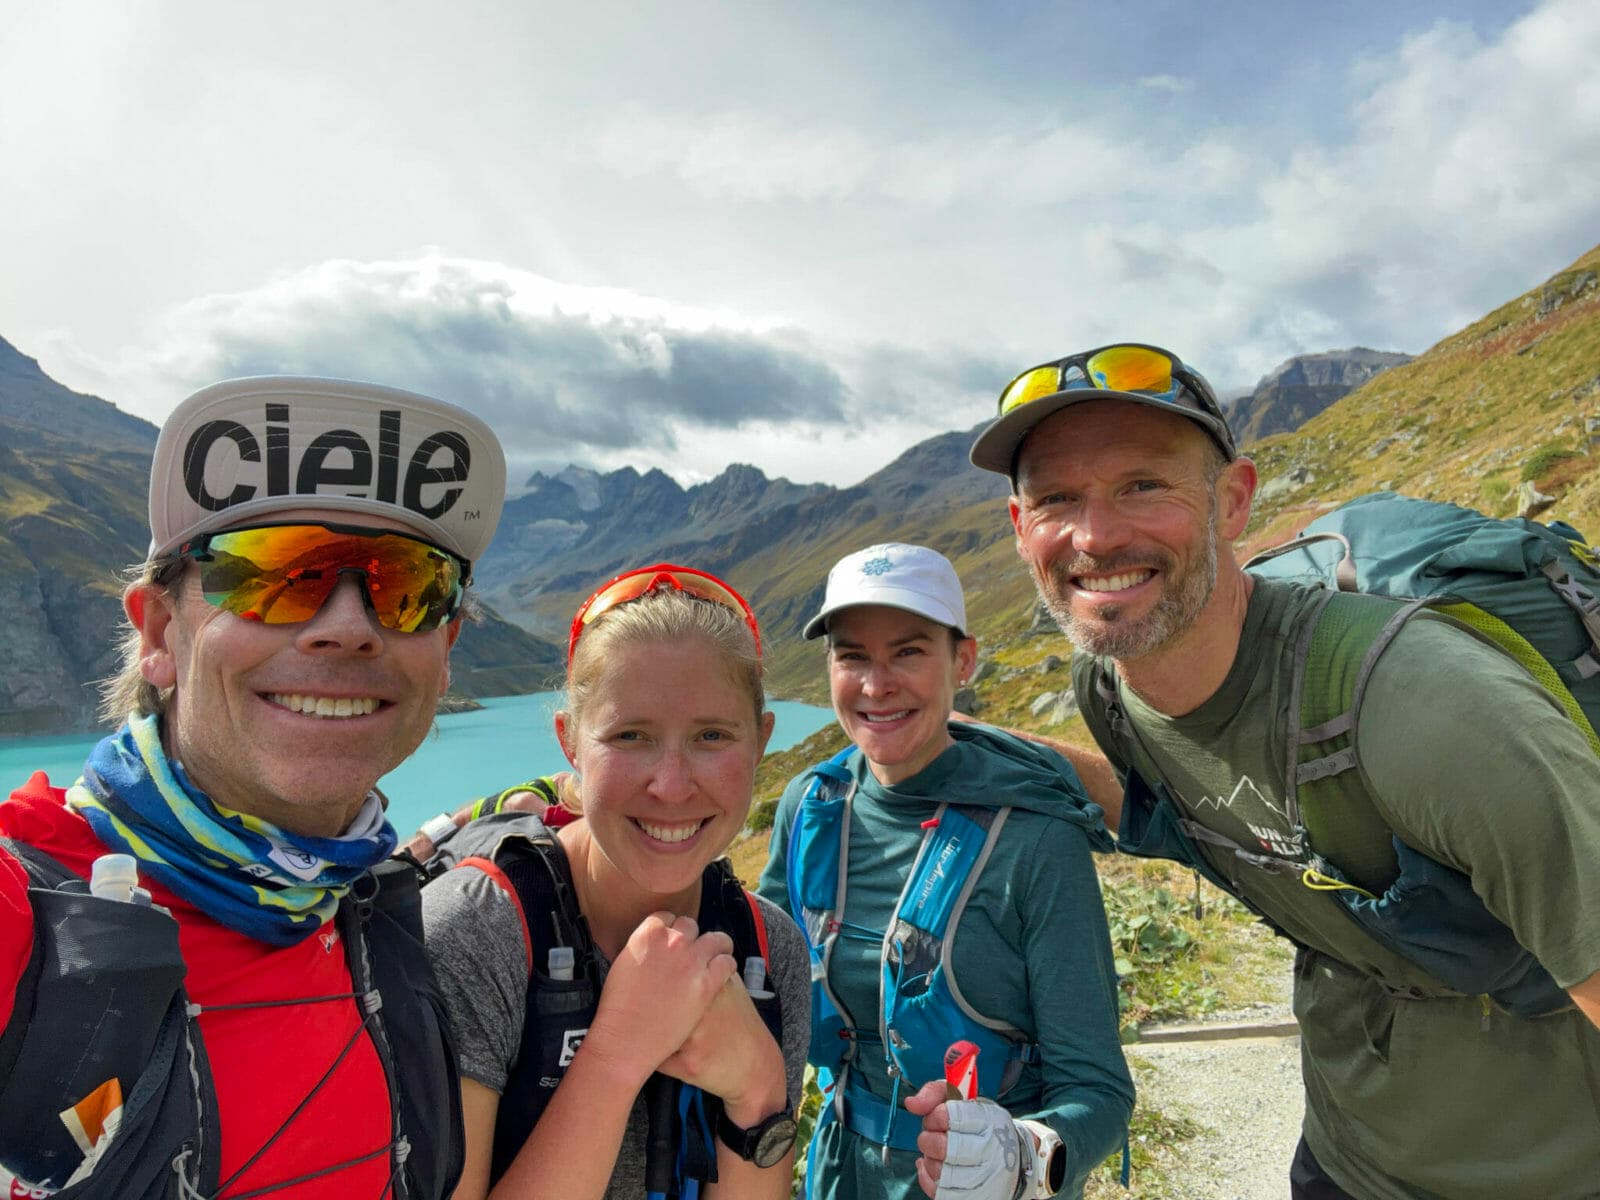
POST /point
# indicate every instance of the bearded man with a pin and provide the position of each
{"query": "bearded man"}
(1127, 495)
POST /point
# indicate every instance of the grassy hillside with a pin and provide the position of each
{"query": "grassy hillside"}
(1505, 400)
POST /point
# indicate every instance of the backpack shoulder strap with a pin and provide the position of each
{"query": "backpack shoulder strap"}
(727, 905)
(830, 778)
(1110, 727)
(760, 923)
(1091, 680)
(532, 868)
(1324, 794)
(991, 821)
(499, 878)
(817, 855)
(44, 870)
(724, 901)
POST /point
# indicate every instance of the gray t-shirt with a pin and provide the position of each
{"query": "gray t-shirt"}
(476, 943)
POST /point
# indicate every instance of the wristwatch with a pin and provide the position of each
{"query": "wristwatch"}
(764, 1143)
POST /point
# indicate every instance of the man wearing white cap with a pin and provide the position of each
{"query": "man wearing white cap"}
(239, 1004)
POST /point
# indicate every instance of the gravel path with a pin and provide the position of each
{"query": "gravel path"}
(1246, 1093)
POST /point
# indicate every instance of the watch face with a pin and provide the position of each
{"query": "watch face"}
(773, 1143)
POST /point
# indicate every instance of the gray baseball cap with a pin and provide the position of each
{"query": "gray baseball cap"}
(1129, 371)
(244, 449)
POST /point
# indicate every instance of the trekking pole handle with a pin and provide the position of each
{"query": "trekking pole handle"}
(661, 1146)
(961, 1071)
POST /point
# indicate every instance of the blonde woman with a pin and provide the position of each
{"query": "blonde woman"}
(610, 1043)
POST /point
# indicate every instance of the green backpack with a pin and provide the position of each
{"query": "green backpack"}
(1531, 589)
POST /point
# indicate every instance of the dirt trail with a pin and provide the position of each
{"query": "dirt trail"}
(1246, 1094)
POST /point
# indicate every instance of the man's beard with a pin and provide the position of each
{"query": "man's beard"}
(1182, 599)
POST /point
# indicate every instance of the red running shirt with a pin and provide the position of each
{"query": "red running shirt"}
(264, 1061)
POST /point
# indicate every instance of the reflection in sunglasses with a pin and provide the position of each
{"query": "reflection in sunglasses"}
(283, 574)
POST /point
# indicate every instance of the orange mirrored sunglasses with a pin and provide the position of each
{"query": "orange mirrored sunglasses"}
(1157, 376)
(280, 574)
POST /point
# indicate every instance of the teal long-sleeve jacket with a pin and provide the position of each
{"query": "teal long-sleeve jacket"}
(1031, 948)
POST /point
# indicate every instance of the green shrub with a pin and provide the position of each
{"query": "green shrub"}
(1544, 458)
(1153, 939)
(806, 1119)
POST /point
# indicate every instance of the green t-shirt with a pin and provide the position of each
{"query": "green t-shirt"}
(1468, 760)
(1031, 949)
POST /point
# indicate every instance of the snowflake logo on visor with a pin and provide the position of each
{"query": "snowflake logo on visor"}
(877, 566)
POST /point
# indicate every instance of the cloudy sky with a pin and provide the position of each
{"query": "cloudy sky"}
(800, 236)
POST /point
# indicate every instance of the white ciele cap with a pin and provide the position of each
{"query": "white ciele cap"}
(913, 578)
(244, 449)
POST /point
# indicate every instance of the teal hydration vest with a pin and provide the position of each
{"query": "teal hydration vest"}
(921, 1009)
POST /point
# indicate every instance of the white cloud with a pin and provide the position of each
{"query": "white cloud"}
(563, 373)
(636, 214)
(548, 364)
(1019, 160)
(1470, 174)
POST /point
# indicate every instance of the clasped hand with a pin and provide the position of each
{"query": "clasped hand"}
(674, 1003)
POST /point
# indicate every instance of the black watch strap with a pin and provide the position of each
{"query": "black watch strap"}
(764, 1143)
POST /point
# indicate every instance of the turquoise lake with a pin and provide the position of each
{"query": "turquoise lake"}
(469, 754)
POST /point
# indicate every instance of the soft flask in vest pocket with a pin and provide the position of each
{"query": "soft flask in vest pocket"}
(107, 1003)
(923, 1009)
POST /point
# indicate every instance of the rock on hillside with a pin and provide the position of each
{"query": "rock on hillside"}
(1300, 388)
(59, 559)
(1513, 398)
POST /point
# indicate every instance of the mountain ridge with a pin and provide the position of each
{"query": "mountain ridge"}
(1512, 398)
(74, 474)
(31, 400)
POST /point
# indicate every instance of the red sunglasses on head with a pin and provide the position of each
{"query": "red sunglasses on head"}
(632, 584)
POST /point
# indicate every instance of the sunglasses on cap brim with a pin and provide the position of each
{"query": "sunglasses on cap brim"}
(631, 585)
(1156, 376)
(281, 574)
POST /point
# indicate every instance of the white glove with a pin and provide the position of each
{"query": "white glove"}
(983, 1154)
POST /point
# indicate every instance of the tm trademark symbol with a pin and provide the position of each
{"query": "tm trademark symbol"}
(471, 515)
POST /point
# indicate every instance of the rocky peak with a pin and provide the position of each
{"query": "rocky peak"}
(1301, 387)
(1337, 368)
